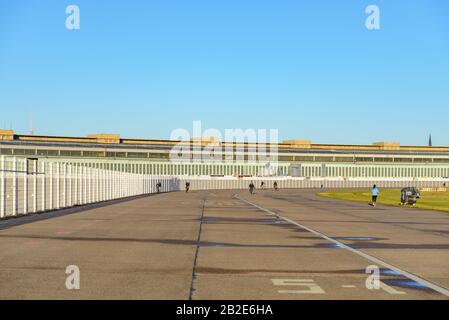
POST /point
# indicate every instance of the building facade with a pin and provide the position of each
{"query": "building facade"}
(296, 158)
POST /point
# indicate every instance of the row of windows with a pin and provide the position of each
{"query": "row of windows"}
(253, 170)
(146, 155)
(381, 172)
(84, 153)
(189, 169)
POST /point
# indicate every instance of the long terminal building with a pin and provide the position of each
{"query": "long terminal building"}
(295, 158)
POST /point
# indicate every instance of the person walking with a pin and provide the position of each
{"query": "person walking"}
(374, 193)
(251, 188)
(275, 186)
(187, 186)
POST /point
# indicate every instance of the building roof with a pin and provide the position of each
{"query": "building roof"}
(117, 140)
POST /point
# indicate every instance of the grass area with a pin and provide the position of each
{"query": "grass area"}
(429, 200)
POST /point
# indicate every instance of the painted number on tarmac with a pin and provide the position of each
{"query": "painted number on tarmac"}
(307, 286)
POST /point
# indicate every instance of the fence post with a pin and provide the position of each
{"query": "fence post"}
(119, 178)
(104, 186)
(2, 188)
(111, 184)
(89, 184)
(70, 178)
(14, 187)
(100, 183)
(58, 185)
(64, 184)
(107, 184)
(110, 181)
(125, 182)
(43, 186)
(147, 182)
(51, 186)
(122, 184)
(86, 184)
(25, 187)
(97, 184)
(128, 184)
(104, 175)
(79, 184)
(92, 184)
(101, 179)
(84, 180)
(76, 192)
(35, 186)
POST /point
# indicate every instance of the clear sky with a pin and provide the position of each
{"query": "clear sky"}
(309, 68)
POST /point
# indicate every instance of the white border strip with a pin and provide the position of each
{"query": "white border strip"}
(428, 284)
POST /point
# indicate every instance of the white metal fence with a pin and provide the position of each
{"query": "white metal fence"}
(35, 186)
(30, 186)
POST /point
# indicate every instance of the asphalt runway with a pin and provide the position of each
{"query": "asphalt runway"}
(289, 244)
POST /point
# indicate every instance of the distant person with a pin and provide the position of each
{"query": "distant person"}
(187, 186)
(262, 185)
(158, 187)
(374, 193)
(275, 186)
(251, 188)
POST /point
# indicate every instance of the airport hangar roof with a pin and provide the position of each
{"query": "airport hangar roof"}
(9, 137)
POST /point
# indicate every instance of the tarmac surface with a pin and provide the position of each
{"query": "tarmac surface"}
(287, 244)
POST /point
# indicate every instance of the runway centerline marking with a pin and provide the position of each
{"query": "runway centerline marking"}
(431, 285)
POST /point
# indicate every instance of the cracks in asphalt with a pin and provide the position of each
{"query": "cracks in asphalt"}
(198, 245)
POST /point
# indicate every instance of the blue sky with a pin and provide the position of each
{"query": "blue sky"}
(308, 68)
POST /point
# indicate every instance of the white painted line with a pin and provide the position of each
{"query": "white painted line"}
(389, 289)
(424, 282)
(312, 287)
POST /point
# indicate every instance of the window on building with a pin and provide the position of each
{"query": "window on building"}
(344, 159)
(137, 155)
(402, 159)
(422, 160)
(158, 155)
(94, 154)
(303, 158)
(5, 151)
(383, 159)
(441, 160)
(324, 159)
(120, 154)
(285, 158)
